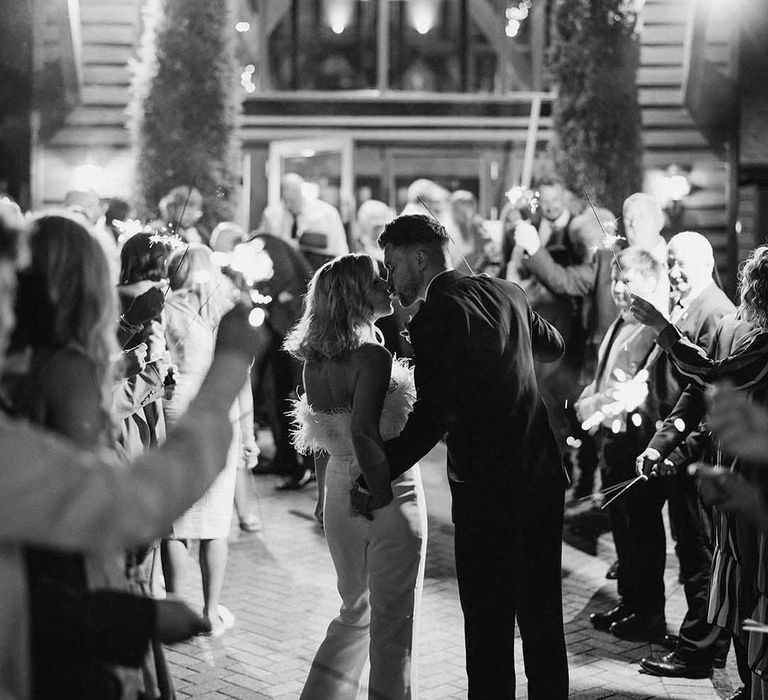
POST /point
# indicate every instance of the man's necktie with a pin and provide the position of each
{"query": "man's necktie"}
(294, 228)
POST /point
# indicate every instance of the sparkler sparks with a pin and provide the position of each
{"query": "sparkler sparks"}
(628, 394)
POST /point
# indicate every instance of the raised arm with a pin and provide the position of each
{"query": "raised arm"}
(374, 368)
(53, 494)
(574, 280)
(746, 365)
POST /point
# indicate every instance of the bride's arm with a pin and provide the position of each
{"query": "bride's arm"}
(374, 366)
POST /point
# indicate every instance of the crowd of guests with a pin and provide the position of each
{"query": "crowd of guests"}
(119, 327)
(652, 330)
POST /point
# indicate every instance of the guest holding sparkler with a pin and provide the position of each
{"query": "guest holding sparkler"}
(698, 308)
(739, 582)
(144, 264)
(611, 407)
(643, 221)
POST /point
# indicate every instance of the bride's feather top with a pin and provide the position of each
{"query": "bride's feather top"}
(325, 431)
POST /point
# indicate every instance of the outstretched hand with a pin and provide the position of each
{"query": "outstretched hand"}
(647, 314)
(740, 425)
(145, 307)
(527, 237)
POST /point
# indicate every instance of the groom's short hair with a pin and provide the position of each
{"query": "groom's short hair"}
(411, 229)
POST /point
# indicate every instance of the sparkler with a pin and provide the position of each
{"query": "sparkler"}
(429, 211)
(609, 240)
(750, 625)
(529, 198)
(641, 477)
(174, 228)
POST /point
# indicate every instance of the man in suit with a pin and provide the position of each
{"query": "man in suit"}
(474, 342)
(305, 222)
(699, 307)
(622, 354)
(275, 374)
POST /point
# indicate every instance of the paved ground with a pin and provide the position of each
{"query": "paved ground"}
(281, 587)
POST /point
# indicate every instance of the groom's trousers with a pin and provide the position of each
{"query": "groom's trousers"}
(512, 569)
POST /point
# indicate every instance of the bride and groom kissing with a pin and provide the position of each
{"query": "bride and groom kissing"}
(474, 342)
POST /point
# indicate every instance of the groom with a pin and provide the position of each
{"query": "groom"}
(474, 342)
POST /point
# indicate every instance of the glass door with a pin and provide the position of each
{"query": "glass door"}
(325, 164)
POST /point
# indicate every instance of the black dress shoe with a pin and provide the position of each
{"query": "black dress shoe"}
(613, 571)
(603, 620)
(672, 666)
(295, 482)
(741, 694)
(638, 627)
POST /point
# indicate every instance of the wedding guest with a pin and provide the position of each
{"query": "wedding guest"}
(372, 216)
(200, 296)
(137, 403)
(355, 398)
(226, 235)
(299, 217)
(607, 407)
(473, 242)
(276, 374)
(144, 265)
(739, 581)
(67, 391)
(56, 495)
(181, 210)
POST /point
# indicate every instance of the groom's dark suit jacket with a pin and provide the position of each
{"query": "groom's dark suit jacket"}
(474, 342)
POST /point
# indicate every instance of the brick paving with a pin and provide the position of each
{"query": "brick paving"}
(280, 586)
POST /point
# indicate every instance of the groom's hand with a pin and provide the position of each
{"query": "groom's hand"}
(361, 499)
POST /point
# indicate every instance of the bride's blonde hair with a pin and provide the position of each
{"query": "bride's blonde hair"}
(337, 317)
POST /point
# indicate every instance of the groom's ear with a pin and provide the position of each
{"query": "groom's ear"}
(422, 258)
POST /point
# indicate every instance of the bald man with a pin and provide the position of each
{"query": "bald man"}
(309, 223)
(698, 307)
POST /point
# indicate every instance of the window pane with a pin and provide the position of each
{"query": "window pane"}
(323, 45)
(460, 46)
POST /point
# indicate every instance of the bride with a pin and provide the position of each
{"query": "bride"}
(356, 397)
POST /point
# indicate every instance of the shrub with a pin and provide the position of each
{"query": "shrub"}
(184, 106)
(593, 63)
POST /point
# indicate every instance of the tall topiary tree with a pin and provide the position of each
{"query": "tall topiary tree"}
(593, 63)
(184, 105)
